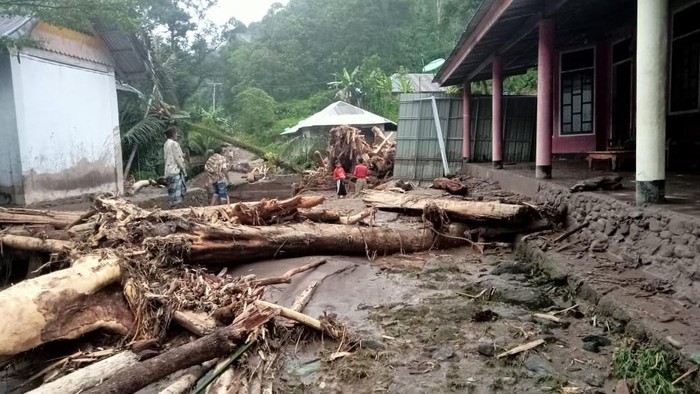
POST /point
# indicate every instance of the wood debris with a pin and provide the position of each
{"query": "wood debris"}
(141, 273)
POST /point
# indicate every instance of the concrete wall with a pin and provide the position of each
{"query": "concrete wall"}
(10, 169)
(664, 243)
(67, 120)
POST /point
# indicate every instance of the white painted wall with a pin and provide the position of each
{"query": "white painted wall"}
(67, 121)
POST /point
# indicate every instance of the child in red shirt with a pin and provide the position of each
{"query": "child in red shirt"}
(360, 173)
(339, 177)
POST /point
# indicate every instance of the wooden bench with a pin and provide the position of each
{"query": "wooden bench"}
(615, 157)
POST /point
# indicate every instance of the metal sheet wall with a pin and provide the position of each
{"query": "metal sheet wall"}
(418, 153)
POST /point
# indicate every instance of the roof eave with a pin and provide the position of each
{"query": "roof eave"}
(485, 16)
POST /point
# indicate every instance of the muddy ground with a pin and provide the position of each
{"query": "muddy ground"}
(434, 322)
(423, 330)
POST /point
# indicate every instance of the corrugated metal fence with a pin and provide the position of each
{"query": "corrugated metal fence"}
(418, 152)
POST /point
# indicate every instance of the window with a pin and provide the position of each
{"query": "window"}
(577, 72)
(685, 60)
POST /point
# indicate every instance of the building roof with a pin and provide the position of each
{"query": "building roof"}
(130, 59)
(340, 113)
(14, 26)
(508, 28)
(420, 83)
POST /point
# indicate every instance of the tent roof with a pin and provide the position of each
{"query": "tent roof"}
(339, 113)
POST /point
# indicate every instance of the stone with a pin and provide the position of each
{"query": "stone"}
(592, 346)
(486, 349)
(651, 242)
(443, 354)
(665, 234)
(636, 214)
(610, 228)
(527, 297)
(666, 250)
(599, 246)
(683, 251)
(437, 264)
(595, 379)
(511, 267)
(621, 387)
(624, 228)
(600, 225)
(655, 226)
(539, 365)
(634, 230)
(679, 240)
(593, 343)
(677, 227)
(372, 344)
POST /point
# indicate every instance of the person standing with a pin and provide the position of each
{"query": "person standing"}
(217, 170)
(360, 173)
(175, 171)
(339, 177)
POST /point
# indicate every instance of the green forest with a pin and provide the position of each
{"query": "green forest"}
(246, 84)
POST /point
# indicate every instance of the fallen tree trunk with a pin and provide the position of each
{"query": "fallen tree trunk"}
(220, 342)
(333, 216)
(455, 209)
(248, 213)
(56, 219)
(220, 244)
(63, 305)
(497, 233)
(89, 376)
(34, 244)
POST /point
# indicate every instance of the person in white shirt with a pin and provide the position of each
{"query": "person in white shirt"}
(175, 171)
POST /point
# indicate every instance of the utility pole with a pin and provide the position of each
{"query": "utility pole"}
(213, 95)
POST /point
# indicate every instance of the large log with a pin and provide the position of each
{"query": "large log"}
(238, 244)
(89, 376)
(34, 244)
(57, 219)
(249, 213)
(456, 209)
(63, 305)
(221, 342)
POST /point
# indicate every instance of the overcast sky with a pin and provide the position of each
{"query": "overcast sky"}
(246, 11)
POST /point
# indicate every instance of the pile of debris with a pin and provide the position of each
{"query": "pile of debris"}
(346, 144)
(140, 274)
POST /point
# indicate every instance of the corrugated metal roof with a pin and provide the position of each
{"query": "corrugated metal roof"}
(420, 83)
(129, 53)
(14, 26)
(340, 113)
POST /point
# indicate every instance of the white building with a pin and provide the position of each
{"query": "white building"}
(59, 122)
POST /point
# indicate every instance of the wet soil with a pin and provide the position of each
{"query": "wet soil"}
(423, 330)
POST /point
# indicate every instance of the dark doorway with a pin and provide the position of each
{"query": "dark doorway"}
(622, 132)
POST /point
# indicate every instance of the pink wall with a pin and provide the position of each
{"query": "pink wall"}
(591, 142)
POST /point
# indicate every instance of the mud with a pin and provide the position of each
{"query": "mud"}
(423, 332)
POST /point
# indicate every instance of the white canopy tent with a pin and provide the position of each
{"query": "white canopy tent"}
(340, 113)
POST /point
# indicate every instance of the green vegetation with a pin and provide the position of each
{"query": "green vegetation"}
(648, 370)
(267, 76)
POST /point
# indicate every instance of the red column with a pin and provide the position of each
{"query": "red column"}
(497, 113)
(543, 160)
(466, 121)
